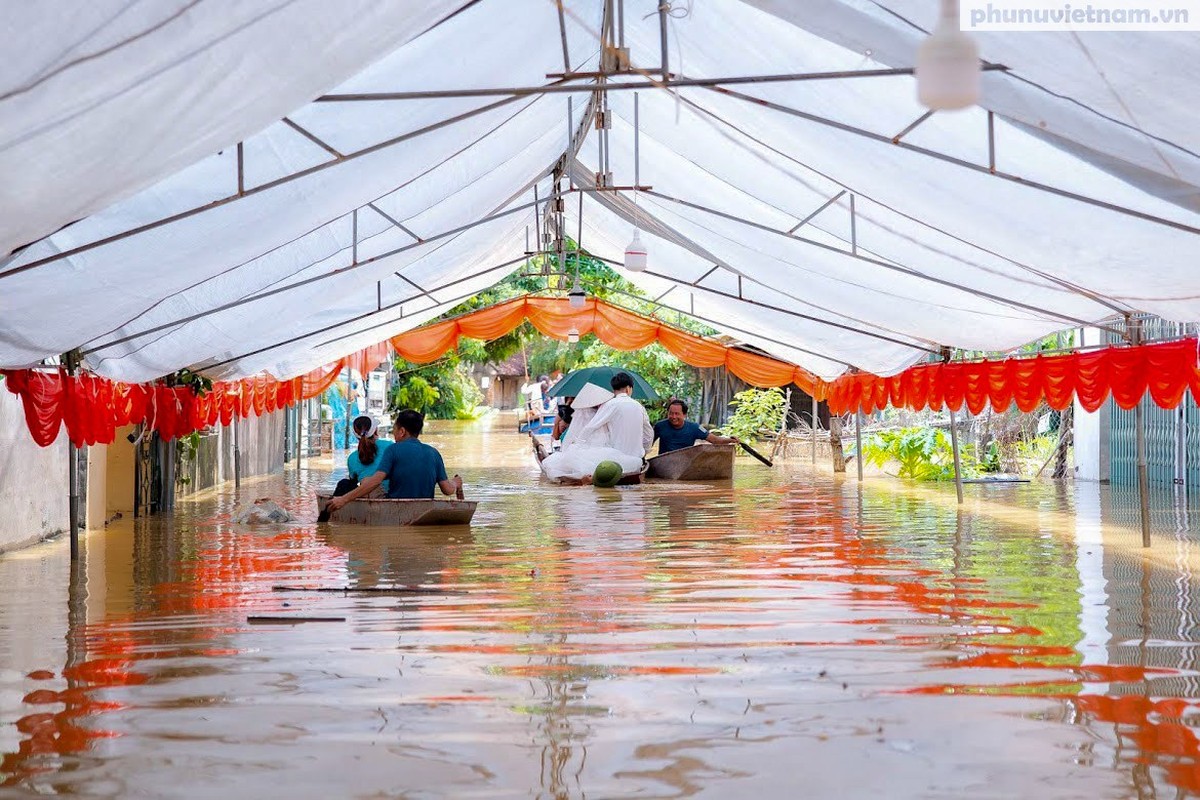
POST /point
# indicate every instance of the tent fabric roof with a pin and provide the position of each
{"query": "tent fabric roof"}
(781, 213)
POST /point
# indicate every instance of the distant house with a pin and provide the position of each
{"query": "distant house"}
(501, 383)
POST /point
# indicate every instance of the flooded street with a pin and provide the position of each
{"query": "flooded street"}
(789, 635)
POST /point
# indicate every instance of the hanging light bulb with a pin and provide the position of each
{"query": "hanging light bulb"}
(635, 253)
(576, 296)
(573, 336)
(948, 64)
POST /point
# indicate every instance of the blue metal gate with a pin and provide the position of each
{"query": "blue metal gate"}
(1172, 437)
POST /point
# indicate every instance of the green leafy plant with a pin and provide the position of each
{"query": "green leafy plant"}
(757, 412)
(186, 448)
(1035, 452)
(416, 393)
(923, 454)
(443, 389)
(199, 384)
(990, 460)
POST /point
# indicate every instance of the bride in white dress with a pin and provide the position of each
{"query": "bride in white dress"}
(581, 453)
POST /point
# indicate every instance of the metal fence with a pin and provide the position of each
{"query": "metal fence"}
(1172, 436)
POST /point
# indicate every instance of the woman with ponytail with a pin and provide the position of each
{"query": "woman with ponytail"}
(361, 464)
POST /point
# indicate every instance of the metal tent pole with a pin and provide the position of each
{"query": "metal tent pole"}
(814, 430)
(877, 262)
(1135, 338)
(575, 83)
(961, 162)
(264, 187)
(1143, 477)
(858, 457)
(957, 462)
(299, 431)
(346, 428)
(665, 67)
(70, 359)
(237, 454)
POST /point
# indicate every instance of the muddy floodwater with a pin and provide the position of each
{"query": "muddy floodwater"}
(786, 635)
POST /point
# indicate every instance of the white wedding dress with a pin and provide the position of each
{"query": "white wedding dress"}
(582, 452)
(580, 460)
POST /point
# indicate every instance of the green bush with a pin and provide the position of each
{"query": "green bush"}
(442, 390)
(923, 454)
(416, 393)
(758, 412)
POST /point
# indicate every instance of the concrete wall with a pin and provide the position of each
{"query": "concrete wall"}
(119, 473)
(1091, 444)
(33, 480)
(260, 440)
(95, 510)
(1091, 431)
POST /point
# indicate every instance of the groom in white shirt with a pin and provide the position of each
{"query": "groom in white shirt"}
(621, 423)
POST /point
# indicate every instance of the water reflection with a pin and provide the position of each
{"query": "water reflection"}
(666, 640)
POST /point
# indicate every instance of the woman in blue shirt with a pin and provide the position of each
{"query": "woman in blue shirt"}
(363, 462)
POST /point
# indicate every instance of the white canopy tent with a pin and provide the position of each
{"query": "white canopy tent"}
(808, 217)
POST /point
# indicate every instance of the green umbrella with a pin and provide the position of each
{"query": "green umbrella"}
(571, 384)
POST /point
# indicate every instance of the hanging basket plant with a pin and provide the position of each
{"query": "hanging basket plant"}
(199, 384)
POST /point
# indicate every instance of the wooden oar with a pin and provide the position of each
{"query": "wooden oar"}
(756, 454)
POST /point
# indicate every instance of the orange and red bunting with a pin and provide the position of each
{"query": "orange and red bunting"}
(1167, 371)
(93, 408)
(616, 327)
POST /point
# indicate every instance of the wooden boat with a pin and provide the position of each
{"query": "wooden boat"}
(703, 462)
(386, 513)
(541, 425)
(628, 479)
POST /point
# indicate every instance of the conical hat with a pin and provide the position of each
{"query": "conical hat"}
(591, 396)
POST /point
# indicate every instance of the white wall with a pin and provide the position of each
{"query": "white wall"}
(33, 480)
(1091, 432)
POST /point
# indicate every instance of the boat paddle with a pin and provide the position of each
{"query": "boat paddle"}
(756, 454)
(324, 515)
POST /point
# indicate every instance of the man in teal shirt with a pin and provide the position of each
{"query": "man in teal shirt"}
(677, 431)
(412, 468)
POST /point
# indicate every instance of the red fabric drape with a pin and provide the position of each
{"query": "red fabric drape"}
(93, 408)
(1166, 371)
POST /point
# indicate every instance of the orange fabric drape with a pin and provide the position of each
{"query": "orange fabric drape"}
(1166, 371)
(616, 327)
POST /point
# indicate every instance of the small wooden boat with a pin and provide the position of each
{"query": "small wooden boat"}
(703, 462)
(386, 513)
(541, 425)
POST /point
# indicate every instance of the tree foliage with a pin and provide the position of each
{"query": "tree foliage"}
(457, 393)
(923, 454)
(441, 390)
(758, 412)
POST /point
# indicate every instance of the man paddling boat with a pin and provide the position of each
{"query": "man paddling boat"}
(677, 432)
(411, 467)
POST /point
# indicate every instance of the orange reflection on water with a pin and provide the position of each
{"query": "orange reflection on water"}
(660, 640)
